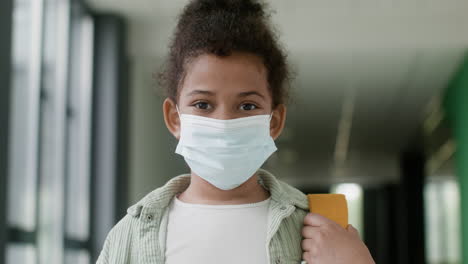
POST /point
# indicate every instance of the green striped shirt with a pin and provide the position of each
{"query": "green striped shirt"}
(140, 236)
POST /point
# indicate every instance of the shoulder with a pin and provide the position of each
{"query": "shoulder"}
(121, 244)
(282, 191)
(124, 228)
(117, 247)
(295, 196)
(300, 202)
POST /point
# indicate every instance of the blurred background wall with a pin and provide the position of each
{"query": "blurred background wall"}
(379, 112)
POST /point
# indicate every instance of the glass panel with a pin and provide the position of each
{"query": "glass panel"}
(432, 232)
(24, 123)
(52, 131)
(20, 253)
(77, 257)
(354, 197)
(79, 127)
(442, 220)
(451, 194)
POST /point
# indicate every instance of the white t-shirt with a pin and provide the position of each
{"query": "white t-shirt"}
(209, 234)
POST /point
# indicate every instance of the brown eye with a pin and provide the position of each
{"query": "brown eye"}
(202, 105)
(248, 107)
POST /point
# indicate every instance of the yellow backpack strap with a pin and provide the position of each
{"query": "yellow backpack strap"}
(332, 206)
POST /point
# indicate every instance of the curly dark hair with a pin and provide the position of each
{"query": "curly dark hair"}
(220, 27)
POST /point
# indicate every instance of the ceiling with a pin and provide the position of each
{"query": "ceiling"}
(365, 68)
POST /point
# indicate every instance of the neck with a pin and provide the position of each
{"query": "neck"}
(201, 191)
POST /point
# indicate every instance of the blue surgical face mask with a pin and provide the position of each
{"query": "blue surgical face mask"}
(226, 153)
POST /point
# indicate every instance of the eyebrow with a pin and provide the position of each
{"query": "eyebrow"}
(245, 94)
(200, 92)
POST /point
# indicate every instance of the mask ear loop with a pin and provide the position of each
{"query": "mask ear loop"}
(177, 108)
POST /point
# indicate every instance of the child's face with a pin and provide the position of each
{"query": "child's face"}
(225, 88)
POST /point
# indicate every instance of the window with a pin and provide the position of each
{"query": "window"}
(24, 122)
(21, 253)
(23, 177)
(442, 218)
(49, 177)
(354, 197)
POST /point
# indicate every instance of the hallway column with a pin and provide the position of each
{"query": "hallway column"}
(110, 115)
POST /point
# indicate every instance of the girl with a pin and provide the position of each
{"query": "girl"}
(226, 79)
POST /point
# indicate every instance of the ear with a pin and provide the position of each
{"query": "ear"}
(278, 120)
(171, 117)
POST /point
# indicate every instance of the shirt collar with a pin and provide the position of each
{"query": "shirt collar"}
(280, 192)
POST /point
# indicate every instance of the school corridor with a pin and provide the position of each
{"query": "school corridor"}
(378, 112)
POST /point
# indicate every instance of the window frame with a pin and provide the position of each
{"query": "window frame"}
(6, 22)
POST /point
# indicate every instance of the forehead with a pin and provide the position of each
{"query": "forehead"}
(232, 74)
